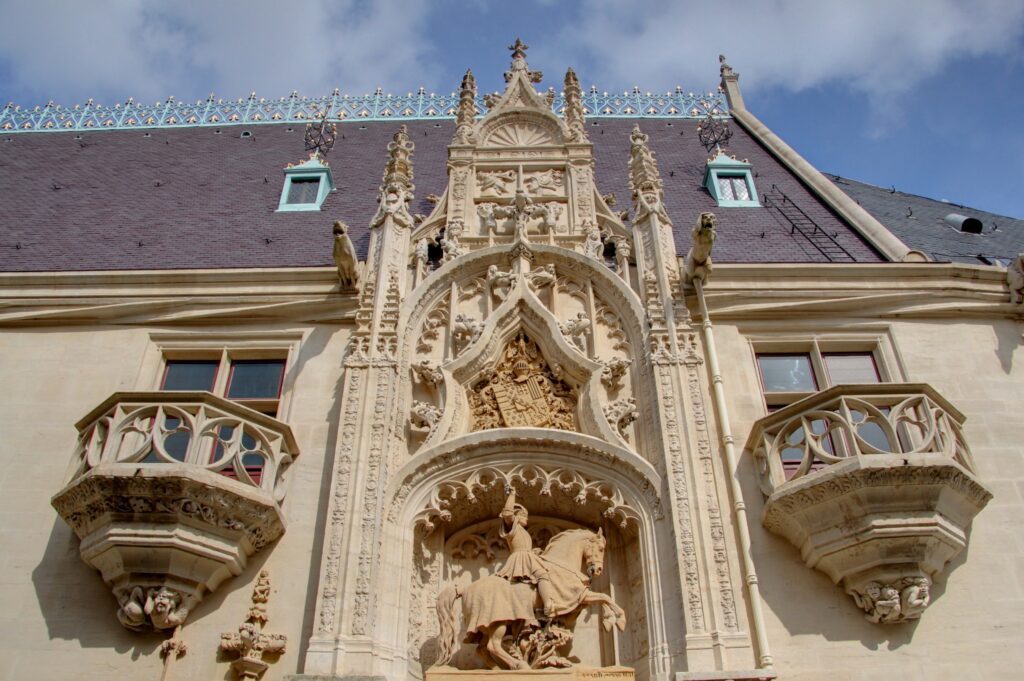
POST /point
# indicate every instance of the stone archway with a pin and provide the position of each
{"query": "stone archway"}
(453, 517)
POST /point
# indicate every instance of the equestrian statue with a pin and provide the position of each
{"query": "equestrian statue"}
(522, 617)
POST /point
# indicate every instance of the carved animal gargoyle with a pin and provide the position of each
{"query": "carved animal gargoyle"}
(345, 256)
(698, 259)
(1015, 279)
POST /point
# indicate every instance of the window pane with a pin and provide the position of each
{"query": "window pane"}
(255, 379)
(851, 367)
(725, 189)
(303, 190)
(786, 373)
(739, 188)
(190, 374)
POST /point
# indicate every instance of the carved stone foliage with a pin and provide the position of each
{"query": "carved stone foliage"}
(621, 413)
(161, 523)
(250, 643)
(613, 372)
(558, 485)
(522, 391)
(874, 485)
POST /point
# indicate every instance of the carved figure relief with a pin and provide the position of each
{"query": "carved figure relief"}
(426, 373)
(250, 643)
(541, 277)
(450, 246)
(522, 391)
(423, 417)
(499, 282)
(899, 601)
(157, 607)
(614, 370)
(544, 182)
(495, 182)
(498, 611)
(576, 330)
(465, 331)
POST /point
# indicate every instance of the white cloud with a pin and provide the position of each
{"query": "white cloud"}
(115, 48)
(880, 47)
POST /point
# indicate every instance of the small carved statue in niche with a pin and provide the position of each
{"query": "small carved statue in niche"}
(465, 331)
(426, 373)
(500, 283)
(424, 417)
(345, 256)
(614, 370)
(450, 246)
(593, 247)
(576, 329)
(541, 277)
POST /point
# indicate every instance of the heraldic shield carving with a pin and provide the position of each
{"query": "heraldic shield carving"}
(522, 391)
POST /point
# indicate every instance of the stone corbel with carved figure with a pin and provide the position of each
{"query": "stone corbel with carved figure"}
(523, 617)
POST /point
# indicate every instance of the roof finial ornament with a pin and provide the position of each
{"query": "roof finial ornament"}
(723, 67)
(574, 108)
(466, 113)
(645, 180)
(396, 189)
(321, 135)
(519, 49)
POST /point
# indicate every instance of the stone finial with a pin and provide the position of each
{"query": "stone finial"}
(465, 115)
(249, 643)
(345, 256)
(1015, 279)
(698, 258)
(723, 67)
(399, 166)
(519, 63)
(574, 108)
(645, 180)
(396, 189)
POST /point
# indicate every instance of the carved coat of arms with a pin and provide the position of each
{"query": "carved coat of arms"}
(522, 391)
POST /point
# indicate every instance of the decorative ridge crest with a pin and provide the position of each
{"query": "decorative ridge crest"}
(378, 106)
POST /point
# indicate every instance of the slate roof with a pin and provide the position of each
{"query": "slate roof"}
(196, 198)
(918, 222)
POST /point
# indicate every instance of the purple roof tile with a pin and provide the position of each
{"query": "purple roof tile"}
(193, 198)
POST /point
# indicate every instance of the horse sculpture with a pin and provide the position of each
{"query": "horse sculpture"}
(494, 608)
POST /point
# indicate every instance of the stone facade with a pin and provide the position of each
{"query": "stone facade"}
(524, 336)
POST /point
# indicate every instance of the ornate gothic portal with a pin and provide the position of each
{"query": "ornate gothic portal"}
(522, 337)
(522, 391)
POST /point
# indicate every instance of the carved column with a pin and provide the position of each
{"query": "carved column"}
(343, 642)
(680, 417)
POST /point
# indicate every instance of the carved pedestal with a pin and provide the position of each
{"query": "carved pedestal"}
(569, 674)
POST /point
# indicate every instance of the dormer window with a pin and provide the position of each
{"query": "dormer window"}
(730, 181)
(306, 185)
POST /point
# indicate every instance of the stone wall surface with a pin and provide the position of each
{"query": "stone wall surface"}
(974, 624)
(59, 617)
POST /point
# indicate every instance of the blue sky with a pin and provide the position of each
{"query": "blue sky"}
(923, 95)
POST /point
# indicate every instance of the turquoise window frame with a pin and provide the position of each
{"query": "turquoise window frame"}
(313, 169)
(723, 165)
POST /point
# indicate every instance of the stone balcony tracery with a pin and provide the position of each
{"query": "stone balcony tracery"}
(875, 485)
(170, 493)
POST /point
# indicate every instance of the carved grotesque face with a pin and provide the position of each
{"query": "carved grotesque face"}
(165, 601)
(873, 591)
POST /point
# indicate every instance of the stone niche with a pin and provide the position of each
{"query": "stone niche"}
(170, 493)
(875, 485)
(461, 544)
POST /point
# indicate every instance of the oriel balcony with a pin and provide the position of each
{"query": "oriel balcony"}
(170, 493)
(875, 485)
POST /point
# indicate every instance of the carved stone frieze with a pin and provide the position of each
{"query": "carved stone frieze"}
(522, 391)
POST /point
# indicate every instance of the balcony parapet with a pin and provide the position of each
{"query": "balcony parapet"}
(170, 493)
(875, 485)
